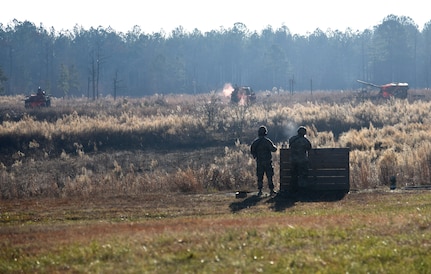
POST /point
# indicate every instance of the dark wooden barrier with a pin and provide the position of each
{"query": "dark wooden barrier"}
(328, 170)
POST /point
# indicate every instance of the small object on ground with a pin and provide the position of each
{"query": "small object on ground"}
(241, 194)
(393, 181)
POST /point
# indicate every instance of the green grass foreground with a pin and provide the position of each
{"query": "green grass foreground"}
(367, 232)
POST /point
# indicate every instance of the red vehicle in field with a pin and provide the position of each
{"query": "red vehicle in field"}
(396, 90)
(40, 99)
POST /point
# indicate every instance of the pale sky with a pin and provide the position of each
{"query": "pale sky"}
(299, 16)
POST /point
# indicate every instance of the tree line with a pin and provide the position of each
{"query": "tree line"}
(101, 61)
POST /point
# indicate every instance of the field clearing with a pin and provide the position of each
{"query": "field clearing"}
(366, 232)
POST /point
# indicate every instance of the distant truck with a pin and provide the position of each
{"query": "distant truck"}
(243, 95)
(40, 99)
(396, 90)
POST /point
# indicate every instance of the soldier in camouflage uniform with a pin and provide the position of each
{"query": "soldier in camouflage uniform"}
(261, 149)
(299, 146)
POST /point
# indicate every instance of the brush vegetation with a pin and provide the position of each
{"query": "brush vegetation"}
(195, 144)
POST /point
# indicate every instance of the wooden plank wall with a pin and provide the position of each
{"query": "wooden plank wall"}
(328, 170)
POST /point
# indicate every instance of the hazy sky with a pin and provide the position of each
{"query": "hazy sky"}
(300, 16)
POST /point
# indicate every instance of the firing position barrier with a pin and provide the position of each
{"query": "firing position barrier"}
(328, 171)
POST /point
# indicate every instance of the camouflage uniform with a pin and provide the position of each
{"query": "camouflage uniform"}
(261, 149)
(299, 146)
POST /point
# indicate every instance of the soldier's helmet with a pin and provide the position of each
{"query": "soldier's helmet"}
(262, 131)
(302, 130)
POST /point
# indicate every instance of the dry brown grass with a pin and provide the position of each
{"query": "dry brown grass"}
(200, 143)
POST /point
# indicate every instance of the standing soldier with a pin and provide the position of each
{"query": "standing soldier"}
(299, 146)
(261, 149)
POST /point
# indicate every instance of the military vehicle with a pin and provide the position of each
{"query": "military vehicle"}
(243, 95)
(40, 99)
(396, 90)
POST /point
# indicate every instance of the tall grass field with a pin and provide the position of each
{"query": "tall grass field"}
(198, 144)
